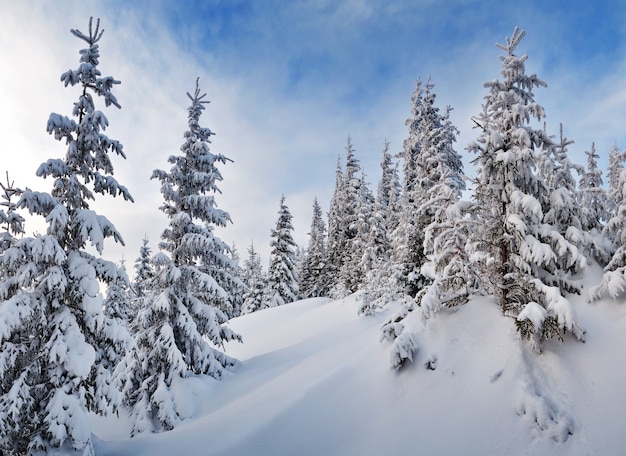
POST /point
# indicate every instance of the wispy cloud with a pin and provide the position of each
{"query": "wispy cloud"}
(288, 82)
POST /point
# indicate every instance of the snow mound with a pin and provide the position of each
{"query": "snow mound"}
(314, 378)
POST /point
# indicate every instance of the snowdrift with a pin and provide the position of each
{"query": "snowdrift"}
(313, 379)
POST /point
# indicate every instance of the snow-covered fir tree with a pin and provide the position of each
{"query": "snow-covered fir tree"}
(56, 345)
(377, 289)
(614, 172)
(352, 273)
(445, 238)
(181, 327)
(562, 210)
(11, 222)
(528, 263)
(255, 281)
(430, 140)
(375, 264)
(389, 190)
(592, 198)
(614, 278)
(432, 261)
(342, 221)
(406, 237)
(235, 286)
(144, 271)
(222, 263)
(335, 234)
(300, 256)
(591, 193)
(282, 279)
(118, 303)
(313, 277)
(451, 267)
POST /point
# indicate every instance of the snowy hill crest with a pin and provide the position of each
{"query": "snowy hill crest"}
(311, 380)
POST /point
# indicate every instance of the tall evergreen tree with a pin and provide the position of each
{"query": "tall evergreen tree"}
(451, 267)
(57, 346)
(352, 273)
(614, 172)
(429, 145)
(313, 279)
(335, 235)
(11, 222)
(181, 325)
(118, 303)
(144, 271)
(562, 210)
(255, 282)
(406, 236)
(529, 264)
(388, 190)
(433, 262)
(592, 195)
(445, 238)
(234, 284)
(377, 252)
(350, 202)
(342, 220)
(222, 263)
(593, 200)
(282, 280)
(614, 278)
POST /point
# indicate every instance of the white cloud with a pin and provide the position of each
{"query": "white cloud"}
(287, 84)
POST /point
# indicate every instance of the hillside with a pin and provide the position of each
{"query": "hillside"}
(313, 379)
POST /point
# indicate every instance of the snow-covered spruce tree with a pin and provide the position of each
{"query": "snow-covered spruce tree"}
(57, 346)
(142, 283)
(614, 172)
(591, 193)
(313, 278)
(375, 263)
(334, 236)
(180, 326)
(377, 252)
(11, 222)
(406, 238)
(528, 263)
(222, 263)
(592, 198)
(255, 282)
(562, 210)
(389, 190)
(342, 221)
(234, 285)
(352, 273)
(118, 303)
(12, 346)
(450, 266)
(282, 279)
(431, 136)
(437, 241)
(614, 278)
(144, 271)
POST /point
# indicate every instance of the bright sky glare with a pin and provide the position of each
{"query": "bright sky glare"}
(289, 81)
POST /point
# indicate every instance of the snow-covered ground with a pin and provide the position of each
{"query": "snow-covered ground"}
(313, 379)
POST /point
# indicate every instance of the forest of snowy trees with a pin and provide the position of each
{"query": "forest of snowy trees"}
(521, 228)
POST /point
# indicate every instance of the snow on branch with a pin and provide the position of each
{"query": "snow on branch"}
(94, 35)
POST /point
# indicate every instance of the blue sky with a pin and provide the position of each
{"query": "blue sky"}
(288, 82)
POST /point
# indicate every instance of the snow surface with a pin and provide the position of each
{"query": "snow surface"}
(313, 379)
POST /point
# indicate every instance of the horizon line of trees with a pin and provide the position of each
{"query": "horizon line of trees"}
(533, 222)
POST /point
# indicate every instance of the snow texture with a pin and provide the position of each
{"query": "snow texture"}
(312, 377)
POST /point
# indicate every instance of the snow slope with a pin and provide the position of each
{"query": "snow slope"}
(313, 379)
